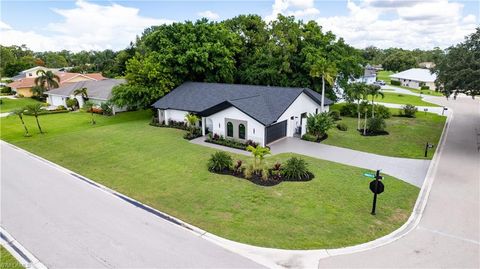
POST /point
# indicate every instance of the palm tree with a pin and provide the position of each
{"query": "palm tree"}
(35, 110)
(89, 106)
(47, 79)
(327, 71)
(357, 92)
(191, 119)
(82, 92)
(19, 113)
(258, 152)
(374, 91)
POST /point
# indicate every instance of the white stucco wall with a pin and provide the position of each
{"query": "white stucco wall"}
(255, 130)
(176, 115)
(56, 100)
(302, 104)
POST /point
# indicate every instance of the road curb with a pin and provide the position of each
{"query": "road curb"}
(280, 258)
(20, 253)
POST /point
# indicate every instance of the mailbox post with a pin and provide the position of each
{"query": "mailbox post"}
(428, 146)
(377, 187)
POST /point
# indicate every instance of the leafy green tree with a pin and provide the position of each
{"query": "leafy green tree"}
(88, 106)
(259, 154)
(19, 113)
(35, 110)
(47, 79)
(459, 70)
(38, 90)
(319, 124)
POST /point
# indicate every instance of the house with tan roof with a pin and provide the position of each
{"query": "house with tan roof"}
(24, 86)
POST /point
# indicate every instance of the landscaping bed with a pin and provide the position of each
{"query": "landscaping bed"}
(220, 140)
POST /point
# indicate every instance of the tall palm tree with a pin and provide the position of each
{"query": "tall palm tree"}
(374, 91)
(35, 110)
(19, 113)
(89, 107)
(47, 79)
(327, 71)
(357, 92)
(82, 92)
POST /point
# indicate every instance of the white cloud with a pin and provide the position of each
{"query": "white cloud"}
(88, 26)
(297, 8)
(209, 15)
(410, 24)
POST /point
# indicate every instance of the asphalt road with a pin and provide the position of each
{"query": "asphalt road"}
(68, 223)
(448, 235)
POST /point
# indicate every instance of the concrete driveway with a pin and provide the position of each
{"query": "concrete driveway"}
(67, 223)
(410, 170)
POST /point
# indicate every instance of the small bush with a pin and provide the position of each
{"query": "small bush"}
(276, 172)
(382, 111)
(193, 133)
(60, 107)
(107, 108)
(237, 168)
(309, 137)
(349, 110)
(342, 127)
(425, 87)
(295, 169)
(20, 95)
(396, 83)
(408, 110)
(335, 115)
(376, 125)
(219, 162)
(248, 173)
(5, 90)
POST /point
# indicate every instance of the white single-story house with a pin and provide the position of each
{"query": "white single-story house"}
(369, 75)
(98, 92)
(416, 78)
(242, 112)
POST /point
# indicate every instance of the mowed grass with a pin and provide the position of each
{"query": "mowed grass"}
(7, 261)
(160, 168)
(398, 98)
(384, 75)
(8, 104)
(407, 136)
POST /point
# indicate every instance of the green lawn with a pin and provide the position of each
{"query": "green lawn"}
(158, 167)
(12, 104)
(398, 98)
(7, 261)
(384, 75)
(407, 136)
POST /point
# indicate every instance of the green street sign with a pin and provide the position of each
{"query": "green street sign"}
(369, 175)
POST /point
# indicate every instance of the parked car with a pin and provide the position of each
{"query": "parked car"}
(380, 82)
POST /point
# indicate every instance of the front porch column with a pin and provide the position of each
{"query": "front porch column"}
(165, 113)
(203, 126)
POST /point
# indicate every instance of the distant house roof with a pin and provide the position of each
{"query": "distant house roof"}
(65, 77)
(263, 103)
(101, 89)
(417, 74)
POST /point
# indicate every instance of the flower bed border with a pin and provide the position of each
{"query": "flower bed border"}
(257, 180)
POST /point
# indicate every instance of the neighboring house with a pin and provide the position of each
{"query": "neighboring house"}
(416, 78)
(24, 86)
(427, 65)
(369, 75)
(32, 72)
(98, 92)
(242, 112)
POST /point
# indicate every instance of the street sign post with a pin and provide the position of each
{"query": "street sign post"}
(377, 187)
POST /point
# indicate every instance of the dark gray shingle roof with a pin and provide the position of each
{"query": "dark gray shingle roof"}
(100, 89)
(263, 103)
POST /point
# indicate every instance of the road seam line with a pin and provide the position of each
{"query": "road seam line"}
(449, 235)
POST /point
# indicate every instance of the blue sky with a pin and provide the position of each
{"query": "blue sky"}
(87, 24)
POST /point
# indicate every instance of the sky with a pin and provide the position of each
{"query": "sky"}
(100, 24)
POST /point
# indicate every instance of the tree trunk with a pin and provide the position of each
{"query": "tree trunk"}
(38, 124)
(323, 94)
(373, 107)
(24, 126)
(365, 124)
(93, 119)
(358, 113)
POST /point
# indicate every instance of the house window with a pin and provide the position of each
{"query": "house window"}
(241, 131)
(229, 129)
(316, 111)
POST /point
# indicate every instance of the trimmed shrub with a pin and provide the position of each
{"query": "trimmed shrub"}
(193, 133)
(309, 137)
(219, 162)
(60, 107)
(5, 90)
(335, 115)
(237, 168)
(376, 125)
(295, 169)
(349, 110)
(396, 83)
(107, 108)
(382, 111)
(408, 110)
(342, 127)
(72, 103)
(219, 140)
(425, 87)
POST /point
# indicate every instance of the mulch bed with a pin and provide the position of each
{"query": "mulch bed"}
(257, 179)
